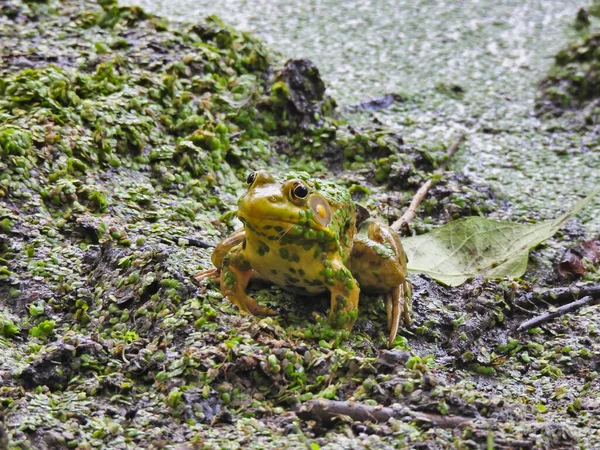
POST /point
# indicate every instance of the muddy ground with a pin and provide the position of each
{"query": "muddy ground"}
(124, 144)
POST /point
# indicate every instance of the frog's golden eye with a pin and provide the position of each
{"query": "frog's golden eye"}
(251, 178)
(299, 191)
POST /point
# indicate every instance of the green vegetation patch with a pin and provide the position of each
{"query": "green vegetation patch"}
(573, 83)
(123, 140)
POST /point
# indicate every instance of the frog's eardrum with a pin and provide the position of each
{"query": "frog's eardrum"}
(321, 209)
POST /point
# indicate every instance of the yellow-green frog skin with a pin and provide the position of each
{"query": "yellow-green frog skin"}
(301, 235)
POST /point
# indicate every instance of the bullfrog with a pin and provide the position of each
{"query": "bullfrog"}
(302, 235)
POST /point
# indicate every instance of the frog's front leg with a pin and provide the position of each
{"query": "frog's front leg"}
(344, 295)
(236, 273)
(219, 253)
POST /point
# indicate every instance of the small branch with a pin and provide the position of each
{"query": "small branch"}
(514, 443)
(450, 153)
(13, 55)
(585, 301)
(449, 421)
(327, 410)
(409, 214)
(558, 295)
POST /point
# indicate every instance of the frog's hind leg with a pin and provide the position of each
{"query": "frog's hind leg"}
(397, 303)
(379, 262)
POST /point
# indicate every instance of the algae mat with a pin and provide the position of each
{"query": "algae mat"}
(124, 139)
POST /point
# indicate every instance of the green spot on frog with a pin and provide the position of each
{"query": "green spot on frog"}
(349, 284)
(318, 251)
(306, 246)
(262, 248)
(292, 281)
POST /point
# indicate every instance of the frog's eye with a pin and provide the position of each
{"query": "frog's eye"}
(299, 191)
(251, 178)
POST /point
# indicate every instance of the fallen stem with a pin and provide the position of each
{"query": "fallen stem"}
(543, 318)
(327, 410)
(409, 214)
(514, 443)
(558, 295)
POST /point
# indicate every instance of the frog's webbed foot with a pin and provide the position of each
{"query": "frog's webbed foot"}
(397, 303)
(255, 308)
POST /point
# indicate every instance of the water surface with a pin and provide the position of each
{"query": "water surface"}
(495, 52)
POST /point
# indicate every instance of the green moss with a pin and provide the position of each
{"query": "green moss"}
(43, 330)
(574, 81)
(8, 328)
(115, 166)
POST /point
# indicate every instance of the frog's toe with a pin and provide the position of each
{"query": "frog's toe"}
(249, 305)
(259, 310)
(397, 303)
(207, 274)
(395, 310)
(389, 309)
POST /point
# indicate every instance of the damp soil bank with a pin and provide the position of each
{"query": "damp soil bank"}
(125, 141)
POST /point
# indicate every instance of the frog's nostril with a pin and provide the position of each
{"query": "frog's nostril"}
(272, 199)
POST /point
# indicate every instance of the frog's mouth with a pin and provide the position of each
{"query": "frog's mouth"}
(272, 222)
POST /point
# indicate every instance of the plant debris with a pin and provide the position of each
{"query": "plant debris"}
(580, 258)
(536, 321)
(479, 247)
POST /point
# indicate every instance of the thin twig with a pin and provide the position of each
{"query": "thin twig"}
(558, 295)
(514, 443)
(543, 318)
(409, 214)
(327, 410)
(450, 153)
